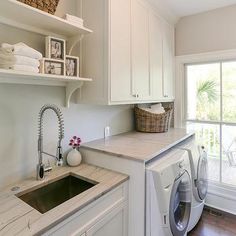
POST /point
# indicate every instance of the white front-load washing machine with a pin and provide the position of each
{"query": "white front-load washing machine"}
(199, 175)
(167, 206)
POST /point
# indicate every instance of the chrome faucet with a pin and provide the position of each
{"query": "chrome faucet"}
(41, 168)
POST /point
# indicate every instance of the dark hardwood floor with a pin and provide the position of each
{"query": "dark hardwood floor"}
(215, 223)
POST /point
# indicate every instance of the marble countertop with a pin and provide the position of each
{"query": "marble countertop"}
(139, 146)
(18, 218)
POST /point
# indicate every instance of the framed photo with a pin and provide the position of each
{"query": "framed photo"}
(72, 66)
(55, 48)
(52, 67)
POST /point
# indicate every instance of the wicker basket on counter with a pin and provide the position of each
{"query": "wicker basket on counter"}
(49, 6)
(152, 123)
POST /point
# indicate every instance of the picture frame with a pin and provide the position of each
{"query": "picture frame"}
(72, 66)
(52, 67)
(55, 48)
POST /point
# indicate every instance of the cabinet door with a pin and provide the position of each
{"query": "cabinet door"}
(168, 61)
(115, 224)
(120, 50)
(140, 50)
(155, 39)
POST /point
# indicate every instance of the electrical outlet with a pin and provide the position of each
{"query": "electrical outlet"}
(107, 131)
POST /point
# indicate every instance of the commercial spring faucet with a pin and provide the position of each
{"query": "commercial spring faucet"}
(41, 168)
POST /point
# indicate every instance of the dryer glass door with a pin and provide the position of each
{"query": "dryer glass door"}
(180, 205)
(202, 175)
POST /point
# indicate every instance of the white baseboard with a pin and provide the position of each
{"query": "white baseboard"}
(222, 198)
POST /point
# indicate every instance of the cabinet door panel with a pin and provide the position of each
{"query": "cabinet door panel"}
(120, 50)
(168, 61)
(155, 33)
(140, 49)
(113, 224)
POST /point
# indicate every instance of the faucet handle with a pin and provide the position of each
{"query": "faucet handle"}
(59, 156)
(41, 169)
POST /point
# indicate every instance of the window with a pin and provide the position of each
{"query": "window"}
(211, 112)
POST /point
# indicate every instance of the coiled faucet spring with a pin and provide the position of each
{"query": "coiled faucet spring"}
(41, 169)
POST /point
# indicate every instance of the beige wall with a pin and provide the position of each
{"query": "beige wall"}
(211, 31)
(19, 107)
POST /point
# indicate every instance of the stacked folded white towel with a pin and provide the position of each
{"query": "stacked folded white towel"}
(156, 109)
(19, 57)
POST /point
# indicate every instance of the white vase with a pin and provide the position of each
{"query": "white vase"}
(74, 158)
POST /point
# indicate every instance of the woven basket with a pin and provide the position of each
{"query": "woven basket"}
(49, 6)
(152, 123)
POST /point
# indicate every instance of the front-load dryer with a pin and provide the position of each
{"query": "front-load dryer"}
(167, 206)
(199, 175)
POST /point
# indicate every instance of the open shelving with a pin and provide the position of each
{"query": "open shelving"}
(25, 17)
(22, 16)
(17, 77)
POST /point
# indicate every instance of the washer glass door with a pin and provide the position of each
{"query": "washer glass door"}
(180, 205)
(202, 175)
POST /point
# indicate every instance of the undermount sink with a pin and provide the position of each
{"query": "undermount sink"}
(47, 197)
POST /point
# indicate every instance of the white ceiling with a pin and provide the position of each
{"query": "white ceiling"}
(180, 8)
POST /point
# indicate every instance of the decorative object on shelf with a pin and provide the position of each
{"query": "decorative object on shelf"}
(74, 156)
(52, 67)
(48, 6)
(152, 123)
(55, 48)
(19, 57)
(72, 66)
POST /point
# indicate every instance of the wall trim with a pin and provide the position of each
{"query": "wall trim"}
(222, 197)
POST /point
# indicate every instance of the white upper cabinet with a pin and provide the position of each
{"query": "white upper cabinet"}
(156, 55)
(120, 51)
(129, 55)
(140, 50)
(168, 61)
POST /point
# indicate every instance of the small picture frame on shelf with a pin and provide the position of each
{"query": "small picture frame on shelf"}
(55, 48)
(52, 67)
(72, 66)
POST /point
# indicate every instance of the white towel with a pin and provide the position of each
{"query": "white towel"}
(157, 108)
(21, 68)
(20, 49)
(10, 60)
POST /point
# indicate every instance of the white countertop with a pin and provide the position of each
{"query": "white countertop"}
(19, 218)
(139, 146)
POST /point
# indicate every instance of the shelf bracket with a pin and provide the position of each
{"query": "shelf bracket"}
(71, 42)
(70, 89)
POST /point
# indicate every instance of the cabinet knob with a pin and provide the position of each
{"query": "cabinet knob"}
(135, 95)
(166, 96)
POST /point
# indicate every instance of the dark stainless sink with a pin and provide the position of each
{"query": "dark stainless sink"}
(47, 197)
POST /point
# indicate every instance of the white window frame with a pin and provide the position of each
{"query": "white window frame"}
(215, 197)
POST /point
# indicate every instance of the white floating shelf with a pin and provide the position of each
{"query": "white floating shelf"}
(71, 84)
(25, 17)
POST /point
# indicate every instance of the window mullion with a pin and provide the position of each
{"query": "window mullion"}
(221, 118)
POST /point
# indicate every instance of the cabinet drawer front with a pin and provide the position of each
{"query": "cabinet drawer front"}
(82, 220)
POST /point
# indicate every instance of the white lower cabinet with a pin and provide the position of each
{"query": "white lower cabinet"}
(105, 216)
(112, 224)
